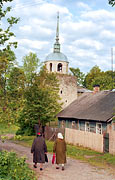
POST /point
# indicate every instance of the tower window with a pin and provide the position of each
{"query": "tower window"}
(50, 67)
(59, 67)
(61, 91)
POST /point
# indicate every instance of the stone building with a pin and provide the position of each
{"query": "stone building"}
(57, 62)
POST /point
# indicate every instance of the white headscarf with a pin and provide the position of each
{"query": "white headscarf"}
(60, 136)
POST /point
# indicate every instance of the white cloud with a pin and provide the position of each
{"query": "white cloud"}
(36, 28)
(81, 27)
(39, 1)
(26, 28)
(51, 9)
(83, 5)
(32, 44)
(88, 43)
(37, 21)
(45, 10)
(98, 15)
(107, 34)
(85, 53)
(112, 22)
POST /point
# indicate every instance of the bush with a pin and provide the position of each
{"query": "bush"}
(14, 168)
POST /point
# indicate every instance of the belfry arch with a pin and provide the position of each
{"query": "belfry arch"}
(59, 67)
(50, 67)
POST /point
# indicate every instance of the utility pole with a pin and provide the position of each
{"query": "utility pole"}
(112, 66)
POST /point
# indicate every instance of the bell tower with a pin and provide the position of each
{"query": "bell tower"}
(57, 62)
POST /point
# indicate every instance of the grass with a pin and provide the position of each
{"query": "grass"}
(8, 129)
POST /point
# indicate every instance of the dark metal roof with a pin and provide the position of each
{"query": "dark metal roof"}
(89, 106)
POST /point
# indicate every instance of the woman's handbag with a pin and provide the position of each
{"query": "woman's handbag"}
(46, 158)
(53, 159)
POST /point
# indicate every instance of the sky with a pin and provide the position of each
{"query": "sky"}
(86, 31)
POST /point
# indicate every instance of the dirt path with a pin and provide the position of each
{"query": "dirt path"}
(74, 170)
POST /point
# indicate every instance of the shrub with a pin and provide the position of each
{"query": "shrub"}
(14, 168)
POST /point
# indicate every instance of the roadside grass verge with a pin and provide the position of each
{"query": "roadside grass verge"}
(84, 154)
(8, 129)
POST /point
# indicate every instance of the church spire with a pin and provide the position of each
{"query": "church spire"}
(57, 44)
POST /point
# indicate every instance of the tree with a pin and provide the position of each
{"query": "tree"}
(15, 90)
(112, 2)
(7, 56)
(6, 34)
(80, 75)
(94, 73)
(111, 75)
(6, 63)
(96, 76)
(41, 102)
(30, 65)
(14, 96)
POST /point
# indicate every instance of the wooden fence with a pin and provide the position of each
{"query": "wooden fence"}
(86, 139)
(111, 131)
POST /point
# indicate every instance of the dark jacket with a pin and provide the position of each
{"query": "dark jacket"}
(60, 150)
(38, 149)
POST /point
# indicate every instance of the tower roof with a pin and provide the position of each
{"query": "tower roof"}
(56, 55)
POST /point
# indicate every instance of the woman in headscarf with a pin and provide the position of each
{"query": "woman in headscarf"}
(60, 150)
(39, 149)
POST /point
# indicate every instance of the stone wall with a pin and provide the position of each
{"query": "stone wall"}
(67, 83)
(68, 88)
(86, 139)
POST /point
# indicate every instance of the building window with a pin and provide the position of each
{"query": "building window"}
(87, 126)
(59, 67)
(73, 124)
(63, 124)
(50, 67)
(98, 128)
(61, 91)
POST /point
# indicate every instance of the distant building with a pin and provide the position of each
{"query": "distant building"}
(58, 63)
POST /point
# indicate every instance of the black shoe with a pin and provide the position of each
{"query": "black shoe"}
(41, 169)
(35, 166)
(62, 168)
(57, 167)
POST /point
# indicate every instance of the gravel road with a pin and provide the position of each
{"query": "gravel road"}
(74, 169)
